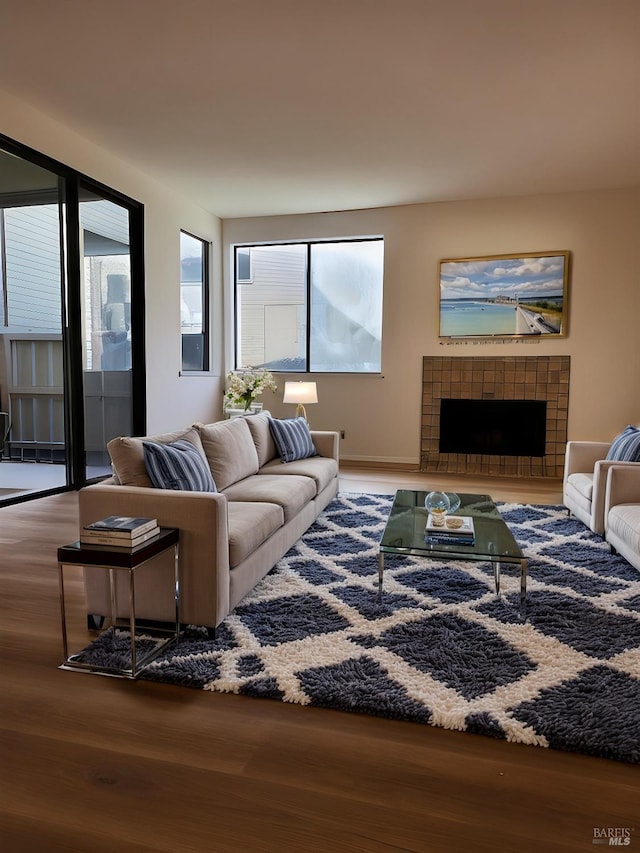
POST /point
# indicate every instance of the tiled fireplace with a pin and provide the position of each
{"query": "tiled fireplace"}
(510, 378)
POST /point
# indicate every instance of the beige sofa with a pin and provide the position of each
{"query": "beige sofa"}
(229, 539)
(622, 512)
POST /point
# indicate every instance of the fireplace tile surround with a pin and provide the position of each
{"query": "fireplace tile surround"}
(495, 378)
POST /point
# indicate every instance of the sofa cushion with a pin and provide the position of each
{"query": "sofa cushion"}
(626, 446)
(291, 493)
(320, 468)
(624, 521)
(249, 525)
(229, 449)
(127, 454)
(177, 465)
(292, 439)
(582, 483)
(262, 438)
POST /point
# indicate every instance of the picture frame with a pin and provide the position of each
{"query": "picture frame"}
(504, 296)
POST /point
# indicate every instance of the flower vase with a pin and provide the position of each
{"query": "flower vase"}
(235, 410)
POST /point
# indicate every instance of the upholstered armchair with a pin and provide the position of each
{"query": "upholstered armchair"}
(622, 512)
(585, 479)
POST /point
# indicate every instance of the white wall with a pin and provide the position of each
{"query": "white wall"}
(381, 414)
(172, 400)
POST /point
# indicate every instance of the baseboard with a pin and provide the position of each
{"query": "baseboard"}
(358, 463)
(381, 463)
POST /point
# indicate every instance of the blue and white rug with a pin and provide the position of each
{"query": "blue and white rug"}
(441, 648)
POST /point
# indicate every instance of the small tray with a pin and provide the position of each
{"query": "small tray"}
(464, 529)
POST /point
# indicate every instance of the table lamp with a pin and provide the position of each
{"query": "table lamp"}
(300, 393)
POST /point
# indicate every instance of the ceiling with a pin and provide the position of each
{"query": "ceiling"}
(264, 107)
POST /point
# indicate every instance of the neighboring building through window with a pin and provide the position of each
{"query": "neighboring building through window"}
(310, 307)
(243, 264)
(31, 266)
(194, 301)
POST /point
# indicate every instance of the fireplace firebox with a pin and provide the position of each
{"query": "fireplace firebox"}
(493, 427)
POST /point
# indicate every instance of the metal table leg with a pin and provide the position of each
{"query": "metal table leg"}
(523, 589)
(176, 593)
(63, 614)
(523, 584)
(132, 623)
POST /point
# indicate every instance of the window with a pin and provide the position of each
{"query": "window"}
(310, 307)
(194, 302)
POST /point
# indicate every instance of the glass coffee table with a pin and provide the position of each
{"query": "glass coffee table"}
(494, 542)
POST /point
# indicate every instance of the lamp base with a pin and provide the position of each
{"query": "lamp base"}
(301, 412)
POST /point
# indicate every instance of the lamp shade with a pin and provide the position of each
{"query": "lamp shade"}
(301, 393)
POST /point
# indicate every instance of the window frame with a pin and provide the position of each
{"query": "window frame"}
(379, 238)
(206, 296)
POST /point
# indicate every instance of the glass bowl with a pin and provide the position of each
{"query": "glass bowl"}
(438, 504)
(454, 501)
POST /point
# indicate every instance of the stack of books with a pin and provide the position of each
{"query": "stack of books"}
(121, 531)
(457, 530)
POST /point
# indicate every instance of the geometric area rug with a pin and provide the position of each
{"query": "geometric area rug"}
(440, 648)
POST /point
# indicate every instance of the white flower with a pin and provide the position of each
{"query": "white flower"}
(243, 386)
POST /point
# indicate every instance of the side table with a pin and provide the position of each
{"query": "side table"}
(115, 559)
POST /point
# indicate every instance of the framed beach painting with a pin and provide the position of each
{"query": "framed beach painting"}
(504, 296)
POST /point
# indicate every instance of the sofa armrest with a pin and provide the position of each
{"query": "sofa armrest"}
(201, 518)
(327, 443)
(622, 485)
(598, 498)
(581, 456)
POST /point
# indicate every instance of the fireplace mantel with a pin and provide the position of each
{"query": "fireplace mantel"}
(498, 378)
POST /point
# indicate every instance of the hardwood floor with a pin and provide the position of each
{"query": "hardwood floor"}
(383, 482)
(101, 764)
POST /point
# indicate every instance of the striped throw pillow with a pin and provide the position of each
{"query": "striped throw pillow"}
(178, 466)
(626, 446)
(292, 439)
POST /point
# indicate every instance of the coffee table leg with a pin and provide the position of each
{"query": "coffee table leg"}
(380, 573)
(523, 585)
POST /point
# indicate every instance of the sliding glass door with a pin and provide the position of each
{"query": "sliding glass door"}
(71, 325)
